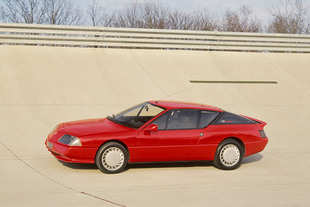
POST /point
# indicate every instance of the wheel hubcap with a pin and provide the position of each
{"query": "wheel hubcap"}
(113, 158)
(229, 155)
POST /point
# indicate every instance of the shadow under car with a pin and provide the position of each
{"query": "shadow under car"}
(246, 160)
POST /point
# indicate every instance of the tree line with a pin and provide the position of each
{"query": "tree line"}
(291, 16)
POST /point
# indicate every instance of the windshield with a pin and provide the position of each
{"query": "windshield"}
(138, 115)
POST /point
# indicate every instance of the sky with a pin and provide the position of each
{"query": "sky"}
(215, 7)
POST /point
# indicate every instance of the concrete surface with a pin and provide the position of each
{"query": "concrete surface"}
(43, 86)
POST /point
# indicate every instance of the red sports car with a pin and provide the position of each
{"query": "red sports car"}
(159, 131)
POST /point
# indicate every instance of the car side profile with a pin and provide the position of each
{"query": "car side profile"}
(159, 131)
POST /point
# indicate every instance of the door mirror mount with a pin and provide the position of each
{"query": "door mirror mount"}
(151, 128)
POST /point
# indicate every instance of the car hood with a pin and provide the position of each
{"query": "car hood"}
(92, 126)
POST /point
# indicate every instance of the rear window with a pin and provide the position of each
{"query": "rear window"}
(206, 117)
(230, 118)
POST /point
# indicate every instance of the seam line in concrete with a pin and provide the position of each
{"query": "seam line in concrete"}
(297, 85)
(178, 92)
(39, 104)
(281, 158)
(252, 105)
(158, 85)
(18, 158)
(234, 82)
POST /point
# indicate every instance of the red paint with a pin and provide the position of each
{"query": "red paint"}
(147, 144)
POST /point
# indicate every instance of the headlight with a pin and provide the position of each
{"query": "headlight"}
(70, 140)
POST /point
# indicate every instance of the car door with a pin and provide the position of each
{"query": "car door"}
(176, 139)
(208, 140)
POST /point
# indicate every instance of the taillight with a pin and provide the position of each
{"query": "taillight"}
(262, 133)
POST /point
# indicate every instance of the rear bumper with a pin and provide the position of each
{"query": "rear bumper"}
(71, 154)
(255, 147)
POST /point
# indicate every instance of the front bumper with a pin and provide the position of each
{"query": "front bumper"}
(73, 154)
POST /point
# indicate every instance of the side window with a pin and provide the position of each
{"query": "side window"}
(206, 117)
(230, 118)
(161, 121)
(183, 119)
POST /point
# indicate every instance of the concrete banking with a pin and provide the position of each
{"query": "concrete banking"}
(43, 86)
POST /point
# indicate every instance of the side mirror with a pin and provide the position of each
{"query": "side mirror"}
(151, 128)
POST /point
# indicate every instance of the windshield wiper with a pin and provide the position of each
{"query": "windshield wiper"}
(111, 117)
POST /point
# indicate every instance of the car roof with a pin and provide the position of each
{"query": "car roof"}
(184, 105)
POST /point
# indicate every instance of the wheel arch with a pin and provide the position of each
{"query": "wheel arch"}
(217, 162)
(117, 141)
(237, 140)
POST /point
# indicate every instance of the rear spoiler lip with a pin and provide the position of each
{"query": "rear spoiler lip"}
(257, 120)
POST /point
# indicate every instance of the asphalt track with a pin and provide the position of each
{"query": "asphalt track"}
(43, 86)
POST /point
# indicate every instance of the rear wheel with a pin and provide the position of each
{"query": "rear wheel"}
(112, 157)
(228, 155)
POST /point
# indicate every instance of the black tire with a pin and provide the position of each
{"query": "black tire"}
(229, 155)
(112, 157)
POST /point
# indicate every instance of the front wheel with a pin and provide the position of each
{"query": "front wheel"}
(228, 155)
(112, 157)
